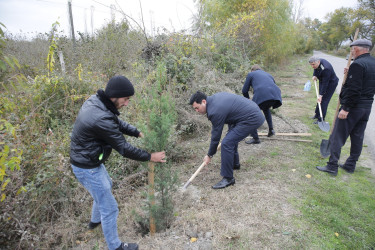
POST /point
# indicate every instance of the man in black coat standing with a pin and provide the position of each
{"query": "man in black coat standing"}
(323, 71)
(241, 115)
(97, 130)
(266, 94)
(356, 98)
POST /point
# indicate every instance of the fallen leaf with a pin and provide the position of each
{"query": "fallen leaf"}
(293, 170)
(78, 242)
(337, 235)
(235, 237)
(308, 176)
(193, 239)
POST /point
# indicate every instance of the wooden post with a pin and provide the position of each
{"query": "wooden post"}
(62, 63)
(151, 192)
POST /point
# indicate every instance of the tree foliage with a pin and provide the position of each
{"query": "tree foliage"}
(158, 106)
(342, 23)
(364, 17)
(264, 28)
(308, 36)
(337, 29)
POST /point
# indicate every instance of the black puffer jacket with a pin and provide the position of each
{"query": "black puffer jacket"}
(97, 130)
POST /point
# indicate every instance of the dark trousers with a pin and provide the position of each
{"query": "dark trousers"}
(324, 104)
(265, 107)
(229, 146)
(354, 126)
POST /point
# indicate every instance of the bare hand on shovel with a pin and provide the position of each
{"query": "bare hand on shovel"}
(322, 124)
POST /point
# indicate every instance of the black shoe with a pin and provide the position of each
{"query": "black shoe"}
(128, 246)
(253, 141)
(225, 182)
(329, 169)
(237, 166)
(93, 225)
(271, 132)
(348, 170)
(314, 117)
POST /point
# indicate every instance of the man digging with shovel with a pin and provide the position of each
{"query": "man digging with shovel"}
(323, 71)
(356, 98)
(243, 117)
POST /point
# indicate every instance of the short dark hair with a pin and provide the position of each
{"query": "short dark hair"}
(255, 67)
(197, 97)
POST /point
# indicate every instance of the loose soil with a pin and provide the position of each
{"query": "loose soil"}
(257, 212)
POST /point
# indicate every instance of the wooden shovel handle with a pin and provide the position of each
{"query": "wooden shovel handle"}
(317, 96)
(197, 171)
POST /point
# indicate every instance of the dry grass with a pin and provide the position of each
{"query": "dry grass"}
(254, 213)
(258, 212)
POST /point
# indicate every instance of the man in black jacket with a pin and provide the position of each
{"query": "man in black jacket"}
(97, 130)
(356, 98)
(323, 71)
(243, 117)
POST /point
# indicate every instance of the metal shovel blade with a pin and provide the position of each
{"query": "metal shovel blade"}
(324, 148)
(324, 126)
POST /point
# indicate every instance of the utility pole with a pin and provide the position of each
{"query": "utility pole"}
(92, 20)
(71, 21)
(85, 16)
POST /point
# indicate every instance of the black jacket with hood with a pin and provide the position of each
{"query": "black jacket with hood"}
(97, 130)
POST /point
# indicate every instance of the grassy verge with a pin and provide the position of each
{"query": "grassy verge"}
(336, 212)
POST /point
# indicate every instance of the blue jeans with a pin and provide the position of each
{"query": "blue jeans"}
(104, 208)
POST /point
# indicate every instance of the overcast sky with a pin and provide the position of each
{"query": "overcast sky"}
(33, 16)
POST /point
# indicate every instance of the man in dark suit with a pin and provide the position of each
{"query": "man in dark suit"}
(243, 117)
(266, 94)
(323, 71)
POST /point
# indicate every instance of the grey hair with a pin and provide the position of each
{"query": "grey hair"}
(314, 59)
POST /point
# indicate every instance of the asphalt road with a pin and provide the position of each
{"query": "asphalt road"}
(338, 65)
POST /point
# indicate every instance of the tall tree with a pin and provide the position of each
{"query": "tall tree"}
(365, 17)
(337, 29)
(264, 28)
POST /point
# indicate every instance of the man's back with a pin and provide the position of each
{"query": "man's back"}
(227, 108)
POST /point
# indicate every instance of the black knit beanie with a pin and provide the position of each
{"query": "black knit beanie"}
(119, 86)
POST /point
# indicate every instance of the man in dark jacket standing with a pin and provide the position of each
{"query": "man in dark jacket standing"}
(266, 94)
(356, 98)
(243, 116)
(97, 130)
(323, 71)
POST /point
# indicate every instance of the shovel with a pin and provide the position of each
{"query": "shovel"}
(196, 172)
(324, 145)
(322, 124)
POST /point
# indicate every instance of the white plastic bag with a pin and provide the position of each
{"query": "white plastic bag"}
(307, 86)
